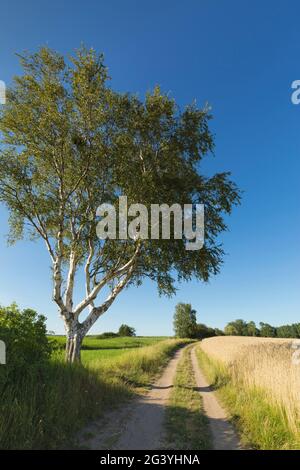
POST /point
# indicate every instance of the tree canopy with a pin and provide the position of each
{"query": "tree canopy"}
(69, 143)
(242, 328)
(185, 321)
(126, 330)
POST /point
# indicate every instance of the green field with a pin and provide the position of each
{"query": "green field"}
(92, 342)
(100, 350)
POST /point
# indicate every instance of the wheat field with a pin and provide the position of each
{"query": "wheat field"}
(262, 363)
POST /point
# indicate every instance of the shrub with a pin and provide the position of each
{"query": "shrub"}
(27, 346)
(126, 330)
(108, 334)
(202, 331)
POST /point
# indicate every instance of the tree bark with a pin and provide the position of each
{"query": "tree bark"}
(76, 331)
(74, 337)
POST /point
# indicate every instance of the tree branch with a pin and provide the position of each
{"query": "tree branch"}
(96, 312)
(109, 276)
(70, 281)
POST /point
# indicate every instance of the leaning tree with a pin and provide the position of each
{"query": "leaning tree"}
(68, 143)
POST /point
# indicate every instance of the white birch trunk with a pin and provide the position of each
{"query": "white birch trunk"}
(74, 337)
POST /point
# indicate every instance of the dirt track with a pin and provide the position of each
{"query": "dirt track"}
(223, 434)
(140, 424)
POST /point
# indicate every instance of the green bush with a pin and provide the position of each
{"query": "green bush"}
(27, 346)
(126, 330)
(108, 334)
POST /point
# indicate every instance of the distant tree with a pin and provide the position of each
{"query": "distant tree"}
(236, 328)
(185, 323)
(230, 330)
(203, 331)
(285, 331)
(68, 143)
(107, 334)
(242, 328)
(297, 329)
(251, 329)
(288, 331)
(267, 331)
(219, 332)
(126, 330)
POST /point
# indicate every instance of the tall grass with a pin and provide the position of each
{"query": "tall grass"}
(260, 384)
(45, 407)
(137, 367)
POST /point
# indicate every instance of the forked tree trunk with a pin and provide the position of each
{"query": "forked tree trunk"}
(74, 337)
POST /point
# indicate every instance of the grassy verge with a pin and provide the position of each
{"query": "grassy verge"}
(187, 426)
(45, 407)
(137, 368)
(261, 424)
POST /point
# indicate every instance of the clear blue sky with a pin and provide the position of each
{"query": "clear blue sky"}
(241, 57)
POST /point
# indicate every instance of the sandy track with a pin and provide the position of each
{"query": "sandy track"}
(223, 434)
(138, 425)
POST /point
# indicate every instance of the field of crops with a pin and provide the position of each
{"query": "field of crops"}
(260, 379)
(228, 348)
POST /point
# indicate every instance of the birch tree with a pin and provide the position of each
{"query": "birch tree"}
(69, 143)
